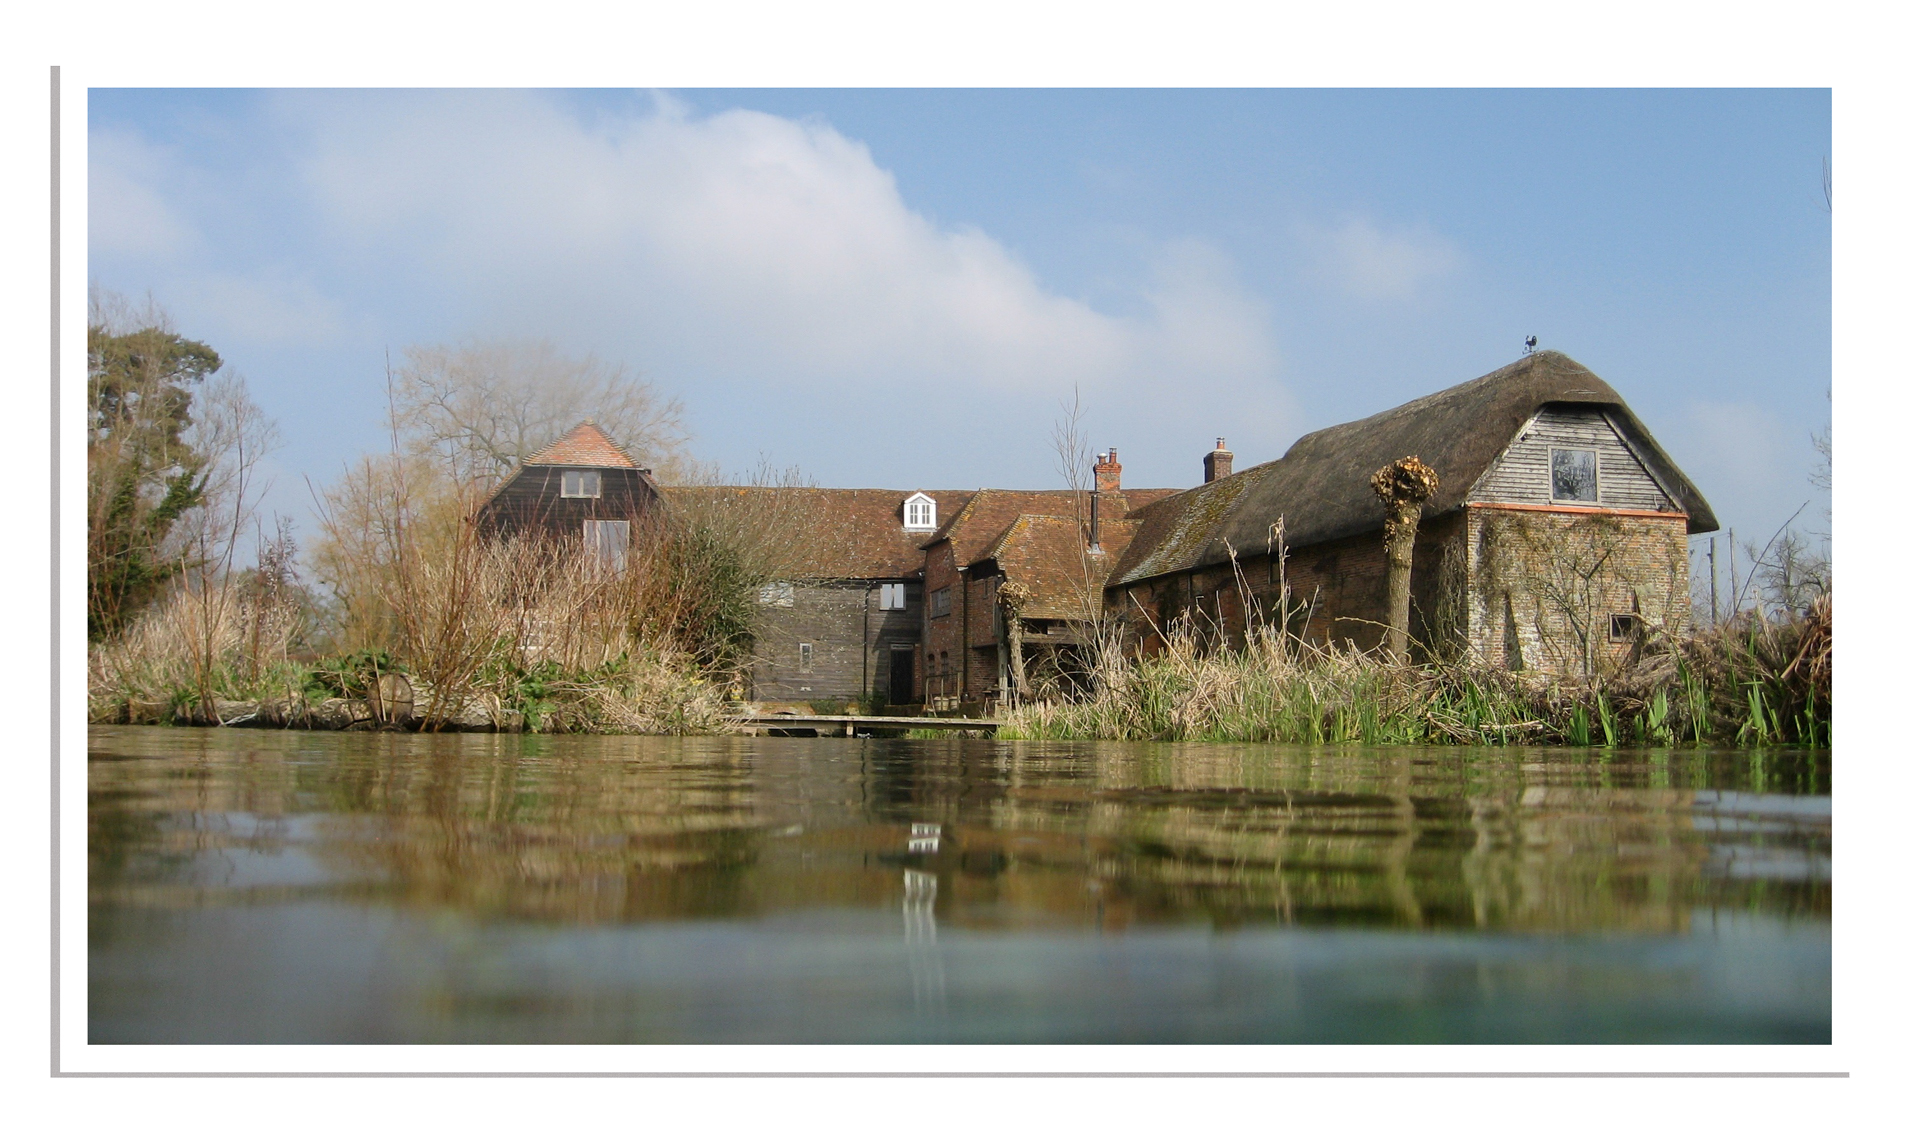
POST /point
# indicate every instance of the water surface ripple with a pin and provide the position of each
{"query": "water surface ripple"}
(255, 886)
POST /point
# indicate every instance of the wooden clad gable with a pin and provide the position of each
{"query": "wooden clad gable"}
(1521, 474)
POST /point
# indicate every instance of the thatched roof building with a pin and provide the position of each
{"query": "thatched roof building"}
(1321, 485)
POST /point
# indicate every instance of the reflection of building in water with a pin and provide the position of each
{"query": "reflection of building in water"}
(613, 830)
(924, 965)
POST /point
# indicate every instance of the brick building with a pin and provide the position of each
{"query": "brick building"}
(1556, 541)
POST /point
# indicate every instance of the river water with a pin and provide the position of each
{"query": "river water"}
(293, 887)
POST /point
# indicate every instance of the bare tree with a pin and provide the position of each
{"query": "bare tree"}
(482, 407)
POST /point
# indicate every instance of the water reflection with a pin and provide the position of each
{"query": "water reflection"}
(595, 830)
(425, 859)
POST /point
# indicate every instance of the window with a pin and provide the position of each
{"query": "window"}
(919, 513)
(943, 602)
(607, 541)
(1576, 476)
(777, 594)
(1620, 627)
(806, 657)
(580, 484)
(893, 595)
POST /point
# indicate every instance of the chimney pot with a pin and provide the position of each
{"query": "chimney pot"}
(1218, 463)
(1106, 471)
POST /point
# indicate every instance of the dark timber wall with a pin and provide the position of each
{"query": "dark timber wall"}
(852, 641)
(531, 501)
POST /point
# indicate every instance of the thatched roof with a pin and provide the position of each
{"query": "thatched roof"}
(1321, 484)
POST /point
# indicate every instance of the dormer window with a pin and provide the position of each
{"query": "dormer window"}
(580, 484)
(919, 513)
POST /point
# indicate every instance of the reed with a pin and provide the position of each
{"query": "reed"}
(1750, 683)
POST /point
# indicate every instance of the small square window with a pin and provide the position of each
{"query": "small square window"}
(580, 484)
(1576, 477)
(893, 595)
(1620, 627)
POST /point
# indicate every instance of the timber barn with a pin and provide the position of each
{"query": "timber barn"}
(580, 486)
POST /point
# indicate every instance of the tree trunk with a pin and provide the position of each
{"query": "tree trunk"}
(1016, 655)
(1403, 523)
(1403, 486)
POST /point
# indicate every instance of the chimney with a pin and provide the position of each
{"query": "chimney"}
(1106, 471)
(1219, 462)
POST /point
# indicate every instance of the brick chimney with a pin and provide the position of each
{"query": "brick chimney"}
(1219, 462)
(1106, 471)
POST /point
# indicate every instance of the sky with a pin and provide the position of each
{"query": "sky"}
(901, 288)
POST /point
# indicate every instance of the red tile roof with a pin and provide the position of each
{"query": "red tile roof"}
(827, 532)
(1046, 554)
(585, 445)
(975, 527)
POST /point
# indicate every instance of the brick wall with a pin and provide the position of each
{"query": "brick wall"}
(1544, 586)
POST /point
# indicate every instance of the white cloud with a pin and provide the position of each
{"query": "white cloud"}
(1372, 263)
(756, 244)
(269, 309)
(127, 213)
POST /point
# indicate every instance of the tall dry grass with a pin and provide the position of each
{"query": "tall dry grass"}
(1756, 682)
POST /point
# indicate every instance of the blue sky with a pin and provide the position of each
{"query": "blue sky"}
(891, 288)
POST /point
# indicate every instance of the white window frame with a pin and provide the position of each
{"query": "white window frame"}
(580, 484)
(893, 596)
(918, 512)
(1595, 453)
(607, 541)
(806, 656)
(777, 594)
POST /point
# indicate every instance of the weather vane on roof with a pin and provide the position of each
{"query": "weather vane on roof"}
(1532, 341)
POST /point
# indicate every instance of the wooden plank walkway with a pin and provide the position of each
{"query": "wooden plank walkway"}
(845, 725)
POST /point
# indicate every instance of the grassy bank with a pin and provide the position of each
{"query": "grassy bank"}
(1751, 681)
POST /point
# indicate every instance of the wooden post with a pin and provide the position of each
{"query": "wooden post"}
(1713, 581)
(1403, 486)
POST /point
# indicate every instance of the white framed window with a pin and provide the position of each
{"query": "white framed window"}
(607, 541)
(893, 595)
(1576, 475)
(806, 656)
(777, 594)
(918, 513)
(580, 484)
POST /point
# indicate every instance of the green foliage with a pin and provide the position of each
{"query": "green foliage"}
(142, 475)
(352, 675)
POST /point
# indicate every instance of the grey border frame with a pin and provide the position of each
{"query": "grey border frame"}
(53, 482)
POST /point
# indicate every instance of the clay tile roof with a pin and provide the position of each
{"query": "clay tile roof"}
(975, 527)
(586, 444)
(853, 533)
(1047, 555)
